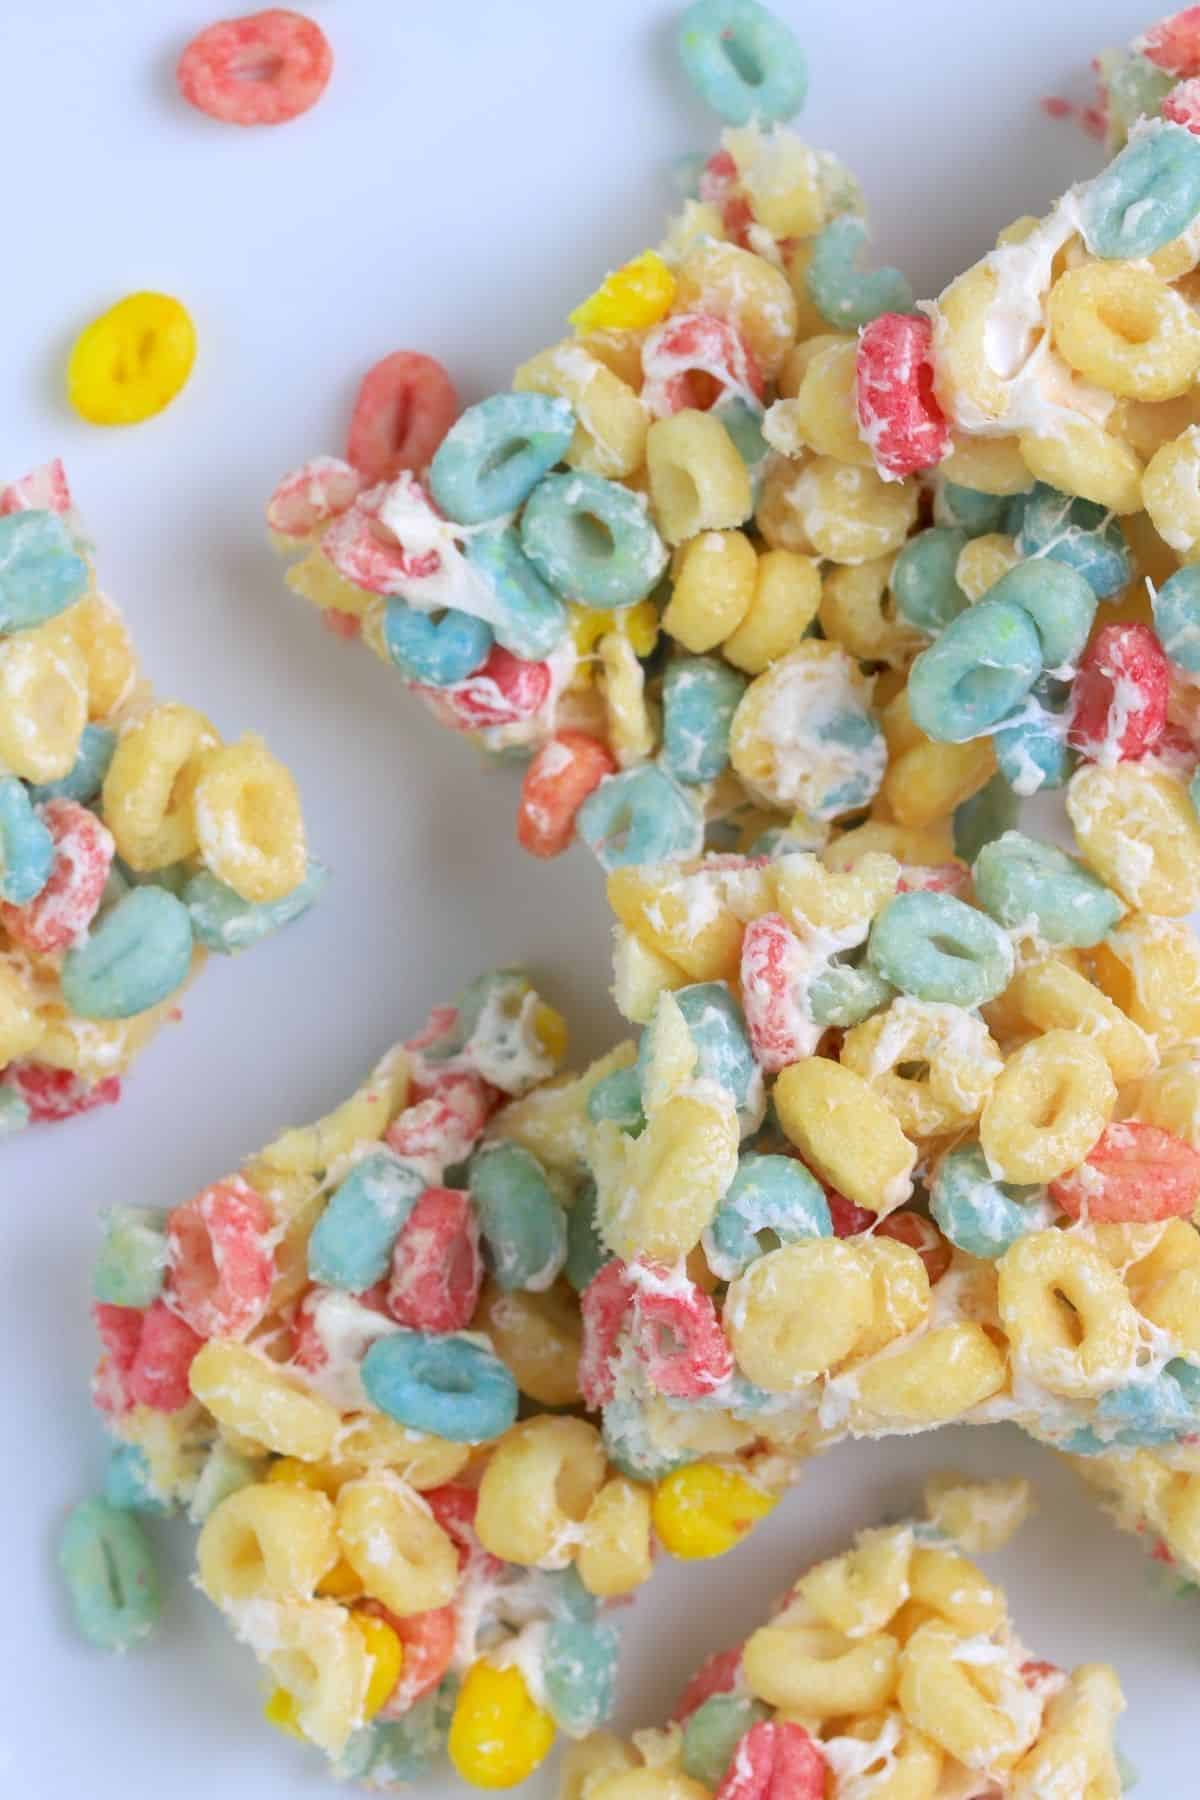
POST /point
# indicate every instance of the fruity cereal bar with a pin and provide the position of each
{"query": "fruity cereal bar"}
(890, 1672)
(132, 840)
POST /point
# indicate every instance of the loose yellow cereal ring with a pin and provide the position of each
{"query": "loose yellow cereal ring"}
(991, 465)
(846, 1132)
(823, 415)
(953, 1588)
(248, 820)
(1076, 1739)
(928, 781)
(781, 178)
(1125, 330)
(250, 1396)
(900, 1294)
(1138, 829)
(130, 363)
(537, 1338)
(149, 789)
(782, 741)
(657, 1193)
(1047, 1108)
(970, 390)
(100, 633)
(1067, 1313)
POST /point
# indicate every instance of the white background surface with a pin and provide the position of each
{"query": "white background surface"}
(471, 171)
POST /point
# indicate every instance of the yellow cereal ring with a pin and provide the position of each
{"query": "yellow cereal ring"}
(131, 362)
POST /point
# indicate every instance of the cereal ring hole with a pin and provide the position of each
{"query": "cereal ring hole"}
(504, 453)
(742, 59)
(677, 495)
(1072, 1330)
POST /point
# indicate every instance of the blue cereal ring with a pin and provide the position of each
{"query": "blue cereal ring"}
(224, 922)
(26, 846)
(14, 1112)
(1059, 600)
(774, 1195)
(631, 1446)
(846, 296)
(523, 1227)
(127, 1483)
(391, 1753)
(1079, 533)
(1177, 617)
(700, 697)
(924, 581)
(40, 572)
(445, 1383)
(587, 1252)
(592, 540)
(1146, 196)
(436, 649)
(712, 1733)
(351, 1243)
(640, 816)
(580, 1672)
(844, 994)
(969, 509)
(1140, 1414)
(137, 954)
(1018, 879)
(718, 1029)
(979, 669)
(743, 422)
(530, 618)
(1034, 753)
(493, 457)
(108, 1566)
(132, 1264)
(983, 817)
(618, 1097)
(742, 61)
(83, 781)
(980, 1215)
(940, 949)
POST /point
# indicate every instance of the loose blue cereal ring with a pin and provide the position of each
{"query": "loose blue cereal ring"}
(437, 650)
(1061, 603)
(712, 1733)
(1034, 753)
(592, 540)
(524, 1229)
(700, 697)
(1079, 533)
(846, 296)
(980, 668)
(1019, 880)
(743, 422)
(580, 1672)
(26, 847)
(969, 509)
(938, 948)
(446, 1384)
(351, 1244)
(14, 1112)
(40, 572)
(83, 781)
(742, 61)
(1177, 617)
(224, 922)
(718, 1029)
(127, 1483)
(132, 1263)
(924, 582)
(980, 1215)
(618, 1097)
(640, 816)
(844, 994)
(530, 618)
(983, 817)
(632, 1449)
(1146, 196)
(493, 457)
(772, 1195)
(136, 955)
(586, 1250)
(108, 1566)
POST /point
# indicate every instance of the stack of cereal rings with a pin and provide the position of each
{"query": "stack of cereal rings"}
(891, 1672)
(132, 840)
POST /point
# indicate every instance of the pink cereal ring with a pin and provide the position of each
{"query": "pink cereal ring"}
(56, 1094)
(505, 691)
(44, 490)
(718, 178)
(445, 1124)
(158, 1375)
(428, 1639)
(775, 1760)
(848, 1219)
(604, 1305)
(679, 1341)
(1182, 105)
(437, 1269)
(921, 1235)
(405, 406)
(1119, 698)
(556, 784)
(318, 491)
(693, 360)
(934, 878)
(1135, 1175)
(772, 969)
(717, 1674)
(454, 1505)
(220, 1263)
(898, 413)
(263, 69)
(66, 906)
(365, 553)
(1174, 43)
(119, 1329)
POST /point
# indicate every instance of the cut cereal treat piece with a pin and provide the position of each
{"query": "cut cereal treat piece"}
(132, 840)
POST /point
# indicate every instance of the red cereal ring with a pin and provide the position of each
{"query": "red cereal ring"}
(263, 69)
(934, 878)
(406, 404)
(1173, 43)
(66, 906)
(119, 1329)
(678, 1338)
(921, 1235)
(557, 782)
(1182, 105)
(56, 1094)
(309, 497)
(44, 489)
(775, 1760)
(1135, 1174)
(898, 414)
(604, 1305)
(693, 360)
(446, 1124)
(366, 553)
(504, 691)
(848, 1219)
(220, 1265)
(1119, 698)
(158, 1375)
(773, 966)
(428, 1639)
(437, 1269)
(717, 1674)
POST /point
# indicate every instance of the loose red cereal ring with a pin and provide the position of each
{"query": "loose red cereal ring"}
(775, 1760)
(773, 966)
(437, 1269)
(428, 1640)
(506, 690)
(898, 414)
(66, 906)
(220, 1266)
(1174, 43)
(604, 1305)
(405, 406)
(42, 490)
(921, 1235)
(263, 69)
(56, 1094)
(158, 1375)
(694, 360)
(1135, 1174)
(318, 491)
(717, 1674)
(678, 1339)
(1119, 700)
(556, 784)
(366, 553)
